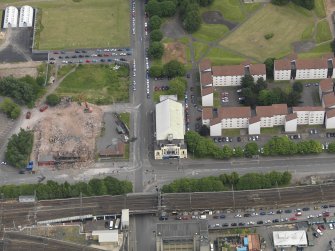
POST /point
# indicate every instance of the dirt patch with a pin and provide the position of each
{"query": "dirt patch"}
(19, 70)
(215, 17)
(303, 46)
(174, 51)
(173, 29)
(66, 132)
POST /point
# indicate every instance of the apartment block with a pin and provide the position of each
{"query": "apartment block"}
(309, 115)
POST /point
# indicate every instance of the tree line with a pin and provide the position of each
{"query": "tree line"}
(307, 4)
(226, 182)
(54, 190)
(171, 69)
(257, 93)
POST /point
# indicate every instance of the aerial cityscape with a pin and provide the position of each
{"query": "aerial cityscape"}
(167, 125)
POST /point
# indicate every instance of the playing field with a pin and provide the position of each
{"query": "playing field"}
(287, 24)
(84, 24)
(100, 84)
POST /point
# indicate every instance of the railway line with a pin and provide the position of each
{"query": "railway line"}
(15, 213)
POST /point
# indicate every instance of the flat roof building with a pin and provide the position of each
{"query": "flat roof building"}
(11, 16)
(282, 239)
(26, 16)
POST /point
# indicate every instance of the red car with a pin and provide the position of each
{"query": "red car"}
(43, 108)
(88, 61)
(293, 218)
(325, 214)
(106, 55)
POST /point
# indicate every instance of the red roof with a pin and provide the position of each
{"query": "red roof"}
(215, 121)
(206, 90)
(308, 108)
(330, 113)
(291, 116)
(206, 78)
(234, 112)
(254, 119)
(228, 70)
(205, 64)
(269, 111)
(314, 63)
(257, 69)
(329, 99)
(207, 113)
(326, 85)
(282, 64)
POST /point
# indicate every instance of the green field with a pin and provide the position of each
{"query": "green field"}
(210, 32)
(307, 34)
(100, 84)
(320, 8)
(64, 69)
(287, 23)
(220, 56)
(316, 52)
(323, 31)
(199, 49)
(85, 24)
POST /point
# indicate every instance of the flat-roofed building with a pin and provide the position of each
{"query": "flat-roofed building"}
(11, 17)
(26, 18)
(283, 239)
(309, 115)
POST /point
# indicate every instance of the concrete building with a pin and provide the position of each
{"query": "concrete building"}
(282, 69)
(309, 115)
(207, 96)
(273, 115)
(125, 219)
(254, 243)
(11, 17)
(291, 122)
(288, 239)
(207, 115)
(170, 130)
(254, 125)
(326, 86)
(330, 119)
(328, 100)
(106, 237)
(26, 18)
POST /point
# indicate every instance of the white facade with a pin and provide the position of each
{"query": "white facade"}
(275, 120)
(330, 122)
(227, 80)
(26, 16)
(11, 17)
(208, 100)
(282, 74)
(254, 128)
(171, 150)
(310, 117)
(256, 77)
(311, 73)
(229, 123)
(215, 130)
(206, 122)
(291, 125)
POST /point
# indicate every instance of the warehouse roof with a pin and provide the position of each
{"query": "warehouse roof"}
(289, 238)
(107, 235)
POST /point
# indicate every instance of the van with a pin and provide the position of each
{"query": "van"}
(319, 232)
(111, 224)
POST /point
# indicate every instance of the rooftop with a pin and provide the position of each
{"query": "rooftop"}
(234, 112)
(329, 100)
(330, 113)
(257, 69)
(289, 238)
(282, 64)
(272, 110)
(313, 63)
(291, 116)
(326, 85)
(207, 90)
(206, 78)
(254, 119)
(207, 113)
(228, 70)
(308, 108)
(205, 64)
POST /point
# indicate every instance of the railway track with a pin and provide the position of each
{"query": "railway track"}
(14, 213)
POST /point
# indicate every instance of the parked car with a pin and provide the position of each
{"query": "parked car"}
(28, 115)
(43, 108)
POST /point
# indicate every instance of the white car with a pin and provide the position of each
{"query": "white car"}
(331, 227)
(145, 24)
(238, 216)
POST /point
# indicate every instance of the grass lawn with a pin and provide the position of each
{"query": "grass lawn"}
(84, 24)
(232, 10)
(231, 132)
(210, 32)
(317, 51)
(64, 69)
(323, 31)
(307, 34)
(100, 84)
(272, 130)
(125, 118)
(217, 100)
(287, 23)
(220, 56)
(199, 49)
(320, 8)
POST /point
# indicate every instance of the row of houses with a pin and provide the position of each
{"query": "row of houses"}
(264, 116)
(13, 19)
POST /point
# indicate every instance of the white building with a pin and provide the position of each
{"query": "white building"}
(291, 122)
(170, 130)
(326, 86)
(207, 96)
(229, 118)
(328, 100)
(207, 115)
(316, 68)
(282, 239)
(26, 16)
(273, 115)
(282, 69)
(330, 119)
(106, 237)
(10, 18)
(125, 218)
(309, 115)
(254, 125)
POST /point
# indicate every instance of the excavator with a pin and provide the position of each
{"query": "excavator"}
(82, 98)
(87, 109)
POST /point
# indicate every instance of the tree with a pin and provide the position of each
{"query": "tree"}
(269, 64)
(250, 97)
(331, 147)
(297, 87)
(307, 4)
(156, 71)
(156, 50)
(153, 8)
(280, 146)
(192, 21)
(52, 99)
(332, 45)
(247, 81)
(280, 2)
(10, 108)
(260, 85)
(174, 69)
(192, 138)
(293, 98)
(178, 87)
(156, 35)
(204, 3)
(238, 152)
(204, 131)
(154, 22)
(250, 149)
(264, 97)
(168, 8)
